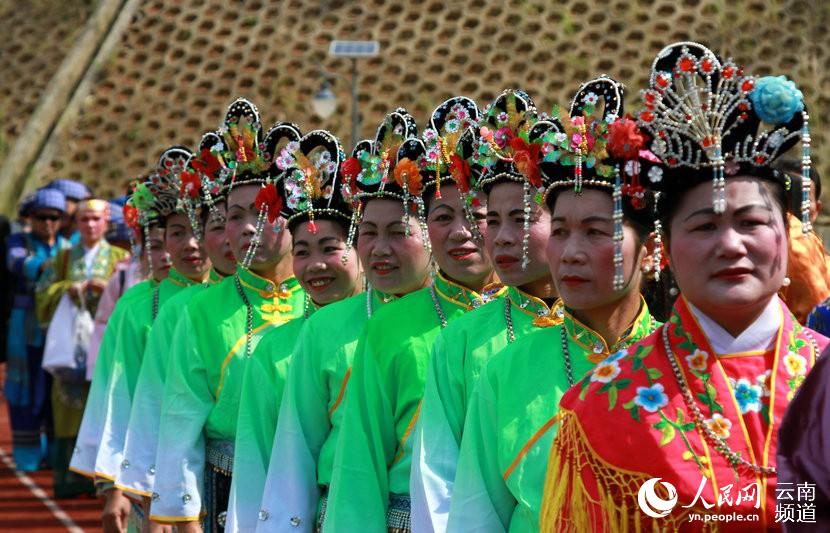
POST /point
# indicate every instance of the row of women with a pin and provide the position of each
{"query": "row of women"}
(446, 331)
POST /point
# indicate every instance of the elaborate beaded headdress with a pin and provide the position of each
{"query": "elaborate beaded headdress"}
(369, 172)
(310, 181)
(157, 197)
(448, 142)
(509, 147)
(246, 156)
(704, 115)
(206, 174)
(600, 149)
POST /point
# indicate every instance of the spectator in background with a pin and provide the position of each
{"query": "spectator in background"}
(5, 296)
(81, 273)
(27, 385)
(22, 223)
(808, 269)
(74, 191)
(127, 273)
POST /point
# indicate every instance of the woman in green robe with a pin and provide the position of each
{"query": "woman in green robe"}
(596, 252)
(218, 330)
(318, 218)
(393, 254)
(516, 238)
(370, 476)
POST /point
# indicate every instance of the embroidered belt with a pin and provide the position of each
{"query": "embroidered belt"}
(398, 515)
(219, 455)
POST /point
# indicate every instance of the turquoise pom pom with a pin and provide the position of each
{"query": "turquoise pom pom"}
(776, 99)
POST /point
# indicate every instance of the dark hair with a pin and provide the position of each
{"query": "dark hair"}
(792, 167)
(670, 200)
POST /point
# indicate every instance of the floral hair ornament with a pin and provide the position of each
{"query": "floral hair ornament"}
(310, 181)
(368, 173)
(509, 147)
(411, 175)
(705, 116)
(449, 140)
(206, 174)
(247, 157)
(157, 197)
(598, 147)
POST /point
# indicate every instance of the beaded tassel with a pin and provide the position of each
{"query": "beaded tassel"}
(405, 218)
(525, 223)
(658, 249)
(422, 222)
(718, 182)
(352, 230)
(252, 248)
(618, 231)
(194, 222)
(806, 162)
(471, 219)
(146, 227)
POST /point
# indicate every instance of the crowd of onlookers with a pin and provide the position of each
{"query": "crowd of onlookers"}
(68, 257)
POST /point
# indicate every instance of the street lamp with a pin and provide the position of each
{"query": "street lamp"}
(324, 102)
(353, 50)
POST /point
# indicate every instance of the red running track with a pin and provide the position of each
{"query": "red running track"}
(21, 510)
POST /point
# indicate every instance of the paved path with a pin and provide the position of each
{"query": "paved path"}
(27, 503)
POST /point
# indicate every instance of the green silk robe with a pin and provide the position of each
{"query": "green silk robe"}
(374, 449)
(204, 381)
(136, 472)
(458, 357)
(510, 424)
(311, 412)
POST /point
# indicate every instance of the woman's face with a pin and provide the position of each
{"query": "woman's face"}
(505, 231)
(186, 252)
(159, 258)
(460, 256)
(318, 265)
(240, 227)
(217, 246)
(581, 251)
(729, 262)
(393, 262)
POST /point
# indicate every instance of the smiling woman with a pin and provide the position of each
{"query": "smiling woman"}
(703, 397)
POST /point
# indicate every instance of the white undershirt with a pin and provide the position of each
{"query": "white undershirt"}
(89, 259)
(759, 336)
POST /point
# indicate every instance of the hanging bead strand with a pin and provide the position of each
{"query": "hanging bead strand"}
(806, 163)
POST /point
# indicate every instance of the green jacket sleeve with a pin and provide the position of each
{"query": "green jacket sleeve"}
(359, 492)
(291, 488)
(481, 500)
(180, 460)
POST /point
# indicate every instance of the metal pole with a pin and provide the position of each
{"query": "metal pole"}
(355, 111)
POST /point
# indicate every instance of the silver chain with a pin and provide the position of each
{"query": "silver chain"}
(566, 352)
(437, 306)
(369, 302)
(720, 444)
(511, 334)
(156, 302)
(249, 323)
(566, 356)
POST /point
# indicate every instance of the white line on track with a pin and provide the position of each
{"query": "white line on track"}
(41, 495)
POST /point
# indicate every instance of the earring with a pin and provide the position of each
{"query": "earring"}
(786, 282)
